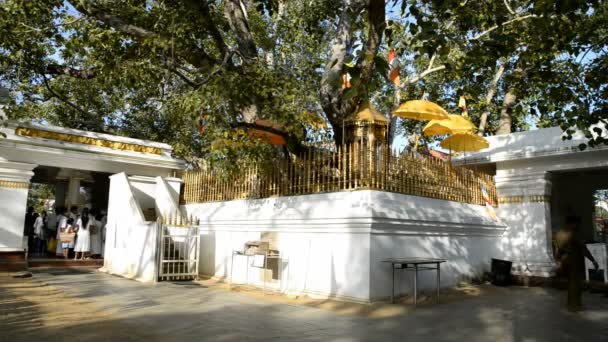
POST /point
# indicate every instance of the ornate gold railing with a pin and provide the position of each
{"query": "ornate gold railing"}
(351, 167)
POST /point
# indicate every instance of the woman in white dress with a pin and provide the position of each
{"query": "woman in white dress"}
(95, 233)
(83, 241)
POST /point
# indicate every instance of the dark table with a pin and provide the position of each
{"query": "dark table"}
(415, 264)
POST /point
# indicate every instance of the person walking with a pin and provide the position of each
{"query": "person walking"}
(102, 229)
(83, 229)
(95, 231)
(39, 233)
(28, 229)
(570, 255)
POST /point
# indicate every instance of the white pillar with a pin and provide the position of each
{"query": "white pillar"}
(524, 206)
(73, 194)
(74, 179)
(14, 185)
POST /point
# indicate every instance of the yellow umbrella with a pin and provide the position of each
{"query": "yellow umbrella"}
(421, 110)
(455, 124)
(464, 142)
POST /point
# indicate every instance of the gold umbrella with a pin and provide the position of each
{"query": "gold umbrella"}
(464, 142)
(455, 124)
(421, 110)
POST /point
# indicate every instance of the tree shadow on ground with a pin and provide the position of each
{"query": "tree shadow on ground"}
(211, 314)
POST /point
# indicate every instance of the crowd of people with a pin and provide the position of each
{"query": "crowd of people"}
(73, 233)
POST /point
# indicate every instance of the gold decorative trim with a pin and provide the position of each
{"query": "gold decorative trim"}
(510, 199)
(78, 139)
(539, 198)
(14, 185)
(520, 199)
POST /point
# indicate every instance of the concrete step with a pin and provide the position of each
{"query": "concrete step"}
(12, 261)
(33, 263)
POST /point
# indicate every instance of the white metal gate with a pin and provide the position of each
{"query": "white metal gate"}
(178, 252)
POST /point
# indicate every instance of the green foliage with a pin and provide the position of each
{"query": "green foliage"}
(148, 69)
(41, 197)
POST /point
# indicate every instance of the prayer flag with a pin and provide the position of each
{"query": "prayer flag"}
(200, 125)
(488, 203)
(393, 71)
(462, 104)
(346, 81)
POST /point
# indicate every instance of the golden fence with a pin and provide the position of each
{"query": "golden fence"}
(351, 167)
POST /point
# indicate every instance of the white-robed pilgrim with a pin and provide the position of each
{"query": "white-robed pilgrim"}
(83, 242)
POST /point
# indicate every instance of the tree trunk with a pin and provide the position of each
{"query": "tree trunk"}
(504, 125)
(334, 104)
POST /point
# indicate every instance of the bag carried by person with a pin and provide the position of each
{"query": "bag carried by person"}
(67, 237)
(51, 245)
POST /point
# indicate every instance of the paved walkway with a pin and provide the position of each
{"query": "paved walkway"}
(168, 312)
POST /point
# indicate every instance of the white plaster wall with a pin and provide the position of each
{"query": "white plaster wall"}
(167, 195)
(333, 244)
(468, 257)
(13, 202)
(316, 235)
(12, 211)
(144, 191)
(527, 242)
(130, 248)
(410, 226)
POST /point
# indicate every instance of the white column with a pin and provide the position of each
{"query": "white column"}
(524, 206)
(73, 194)
(74, 179)
(14, 184)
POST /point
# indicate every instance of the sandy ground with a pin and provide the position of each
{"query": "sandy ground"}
(87, 305)
(29, 307)
(402, 306)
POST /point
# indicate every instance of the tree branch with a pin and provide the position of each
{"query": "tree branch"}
(197, 84)
(234, 11)
(198, 56)
(213, 31)
(61, 98)
(506, 2)
(56, 69)
(113, 21)
(489, 96)
(422, 75)
(504, 24)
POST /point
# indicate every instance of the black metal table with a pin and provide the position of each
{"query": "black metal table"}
(415, 264)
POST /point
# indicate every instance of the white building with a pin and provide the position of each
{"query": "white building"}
(331, 244)
(540, 179)
(71, 160)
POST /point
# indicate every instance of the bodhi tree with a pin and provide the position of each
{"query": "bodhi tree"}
(151, 69)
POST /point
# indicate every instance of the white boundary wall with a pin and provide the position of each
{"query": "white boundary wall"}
(332, 244)
(131, 242)
(13, 202)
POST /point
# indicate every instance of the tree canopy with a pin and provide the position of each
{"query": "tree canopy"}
(152, 69)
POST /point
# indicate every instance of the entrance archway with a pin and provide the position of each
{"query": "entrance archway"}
(70, 160)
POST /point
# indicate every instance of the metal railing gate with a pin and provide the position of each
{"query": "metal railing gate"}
(178, 252)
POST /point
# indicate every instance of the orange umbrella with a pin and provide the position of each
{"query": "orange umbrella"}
(266, 136)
